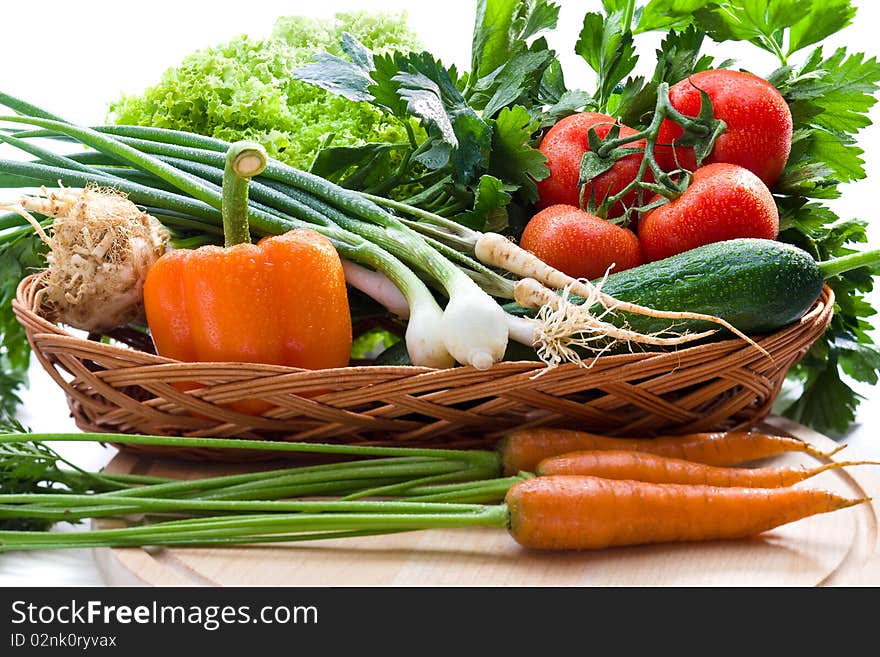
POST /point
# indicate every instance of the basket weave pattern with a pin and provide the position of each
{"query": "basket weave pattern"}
(716, 386)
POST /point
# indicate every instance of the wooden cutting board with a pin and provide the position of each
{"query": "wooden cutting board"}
(833, 549)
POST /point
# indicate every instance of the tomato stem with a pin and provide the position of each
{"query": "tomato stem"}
(668, 184)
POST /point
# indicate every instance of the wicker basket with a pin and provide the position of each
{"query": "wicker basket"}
(120, 388)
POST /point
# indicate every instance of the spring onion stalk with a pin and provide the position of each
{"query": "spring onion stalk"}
(293, 201)
(432, 224)
(425, 342)
(142, 194)
(46, 156)
(473, 325)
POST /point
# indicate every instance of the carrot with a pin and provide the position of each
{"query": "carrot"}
(580, 513)
(556, 512)
(523, 449)
(642, 466)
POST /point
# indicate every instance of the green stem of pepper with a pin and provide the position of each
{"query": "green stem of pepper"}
(244, 160)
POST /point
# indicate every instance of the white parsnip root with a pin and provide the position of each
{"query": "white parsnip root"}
(497, 250)
(102, 246)
(566, 326)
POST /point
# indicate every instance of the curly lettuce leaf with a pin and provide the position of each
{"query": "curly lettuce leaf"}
(245, 89)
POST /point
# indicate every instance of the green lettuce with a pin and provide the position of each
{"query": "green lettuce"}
(244, 89)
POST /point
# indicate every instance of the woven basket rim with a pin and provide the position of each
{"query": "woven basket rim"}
(721, 385)
(26, 298)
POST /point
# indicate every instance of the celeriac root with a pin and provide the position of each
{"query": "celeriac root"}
(497, 250)
(101, 245)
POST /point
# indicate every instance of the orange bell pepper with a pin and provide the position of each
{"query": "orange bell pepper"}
(282, 301)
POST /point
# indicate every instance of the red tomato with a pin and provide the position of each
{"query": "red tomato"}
(723, 202)
(758, 135)
(579, 243)
(565, 144)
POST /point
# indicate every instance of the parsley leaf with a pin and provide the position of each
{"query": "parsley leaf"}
(554, 99)
(350, 79)
(758, 21)
(491, 196)
(513, 158)
(457, 135)
(517, 81)
(677, 57)
(18, 258)
(765, 23)
(823, 19)
(668, 14)
(829, 99)
(835, 93)
(369, 167)
(826, 403)
(606, 44)
(502, 28)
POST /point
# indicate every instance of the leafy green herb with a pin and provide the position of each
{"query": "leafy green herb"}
(490, 199)
(502, 28)
(782, 27)
(830, 99)
(363, 167)
(668, 14)
(349, 78)
(513, 157)
(514, 82)
(678, 56)
(18, 258)
(824, 18)
(606, 44)
(477, 151)
(456, 133)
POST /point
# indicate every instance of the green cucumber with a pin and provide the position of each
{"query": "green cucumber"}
(757, 285)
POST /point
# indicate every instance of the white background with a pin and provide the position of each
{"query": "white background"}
(73, 58)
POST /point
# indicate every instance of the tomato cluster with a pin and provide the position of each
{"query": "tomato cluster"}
(727, 197)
